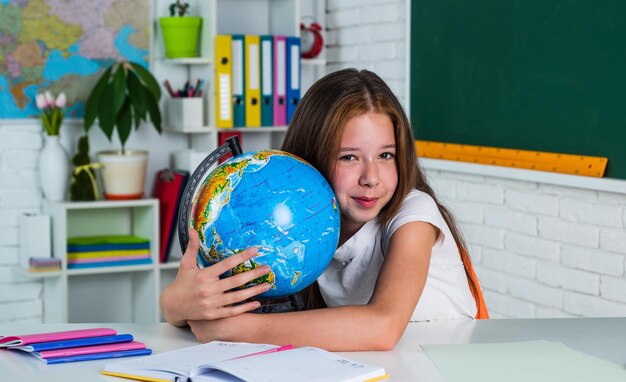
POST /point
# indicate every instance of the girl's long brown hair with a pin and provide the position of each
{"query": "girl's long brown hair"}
(317, 126)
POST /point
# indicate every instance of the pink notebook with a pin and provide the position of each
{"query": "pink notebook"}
(133, 345)
(9, 341)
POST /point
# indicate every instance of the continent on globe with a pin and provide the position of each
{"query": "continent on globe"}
(276, 202)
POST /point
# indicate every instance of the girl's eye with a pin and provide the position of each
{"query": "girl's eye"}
(387, 155)
(347, 158)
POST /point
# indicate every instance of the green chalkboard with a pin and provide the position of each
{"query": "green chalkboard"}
(545, 75)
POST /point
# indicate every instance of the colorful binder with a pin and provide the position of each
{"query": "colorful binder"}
(168, 188)
(84, 350)
(253, 80)
(293, 75)
(267, 83)
(223, 83)
(21, 340)
(280, 81)
(238, 68)
(90, 357)
(75, 343)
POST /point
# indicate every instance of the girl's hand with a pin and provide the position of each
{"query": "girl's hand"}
(200, 294)
(206, 331)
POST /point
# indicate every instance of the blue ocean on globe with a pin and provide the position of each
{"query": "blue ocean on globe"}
(276, 202)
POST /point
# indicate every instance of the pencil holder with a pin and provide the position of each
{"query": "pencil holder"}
(185, 112)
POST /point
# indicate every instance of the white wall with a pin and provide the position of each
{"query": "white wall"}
(20, 192)
(540, 250)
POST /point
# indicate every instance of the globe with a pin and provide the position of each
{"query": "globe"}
(276, 202)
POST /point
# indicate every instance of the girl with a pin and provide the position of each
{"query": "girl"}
(400, 256)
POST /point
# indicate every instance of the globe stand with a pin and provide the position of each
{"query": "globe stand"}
(287, 304)
(279, 305)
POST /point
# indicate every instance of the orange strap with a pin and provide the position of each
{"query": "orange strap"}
(481, 308)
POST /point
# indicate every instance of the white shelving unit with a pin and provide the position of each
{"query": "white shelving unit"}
(231, 17)
(103, 294)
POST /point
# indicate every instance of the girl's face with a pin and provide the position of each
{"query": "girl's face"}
(365, 176)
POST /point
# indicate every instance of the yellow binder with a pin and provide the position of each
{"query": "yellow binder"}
(223, 83)
(253, 80)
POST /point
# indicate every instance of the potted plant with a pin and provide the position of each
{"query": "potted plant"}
(125, 95)
(180, 32)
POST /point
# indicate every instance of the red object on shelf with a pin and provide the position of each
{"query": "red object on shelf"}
(168, 188)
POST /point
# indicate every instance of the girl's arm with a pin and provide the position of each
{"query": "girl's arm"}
(377, 325)
(200, 294)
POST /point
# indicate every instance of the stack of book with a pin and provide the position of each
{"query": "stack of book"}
(107, 251)
(44, 264)
(76, 345)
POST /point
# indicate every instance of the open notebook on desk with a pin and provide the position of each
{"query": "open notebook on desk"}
(232, 361)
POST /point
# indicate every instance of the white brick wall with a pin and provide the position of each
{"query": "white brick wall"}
(20, 192)
(541, 250)
(369, 34)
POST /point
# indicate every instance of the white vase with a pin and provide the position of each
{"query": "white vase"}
(54, 169)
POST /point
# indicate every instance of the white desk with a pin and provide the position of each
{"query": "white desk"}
(601, 337)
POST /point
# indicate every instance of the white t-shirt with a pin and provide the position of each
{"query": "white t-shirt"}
(351, 276)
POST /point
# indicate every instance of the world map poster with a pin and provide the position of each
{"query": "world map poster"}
(63, 46)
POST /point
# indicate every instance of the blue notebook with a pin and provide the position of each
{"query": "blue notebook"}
(88, 341)
(95, 356)
(109, 264)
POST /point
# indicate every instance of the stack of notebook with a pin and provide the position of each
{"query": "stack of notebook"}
(44, 264)
(107, 251)
(76, 345)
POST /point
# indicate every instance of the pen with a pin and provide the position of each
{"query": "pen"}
(169, 89)
(282, 348)
(199, 85)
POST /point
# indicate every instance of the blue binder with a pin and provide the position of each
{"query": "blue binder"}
(64, 344)
(239, 96)
(267, 80)
(94, 356)
(293, 75)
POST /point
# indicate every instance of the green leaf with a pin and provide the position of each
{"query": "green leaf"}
(124, 122)
(148, 79)
(105, 111)
(91, 106)
(137, 95)
(119, 89)
(155, 113)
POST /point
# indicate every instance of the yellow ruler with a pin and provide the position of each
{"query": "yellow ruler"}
(532, 160)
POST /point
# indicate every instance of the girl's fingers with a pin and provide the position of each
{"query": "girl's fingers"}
(244, 294)
(230, 311)
(189, 259)
(238, 280)
(231, 262)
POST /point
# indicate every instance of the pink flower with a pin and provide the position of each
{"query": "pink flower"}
(40, 99)
(61, 100)
(49, 98)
